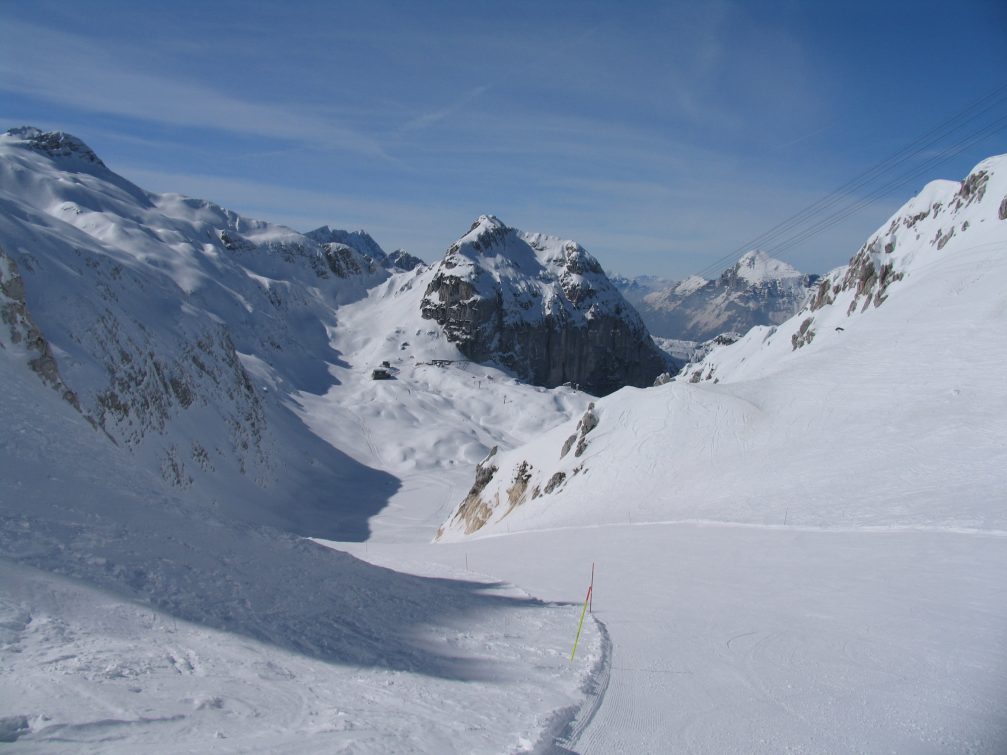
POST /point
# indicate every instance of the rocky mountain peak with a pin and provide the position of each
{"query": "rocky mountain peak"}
(56, 144)
(360, 241)
(483, 236)
(541, 306)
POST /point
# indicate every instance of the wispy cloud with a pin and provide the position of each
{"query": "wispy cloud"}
(72, 71)
(436, 116)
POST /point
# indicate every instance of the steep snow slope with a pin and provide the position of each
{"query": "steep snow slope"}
(879, 405)
(542, 307)
(756, 290)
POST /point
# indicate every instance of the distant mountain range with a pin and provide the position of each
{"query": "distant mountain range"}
(756, 290)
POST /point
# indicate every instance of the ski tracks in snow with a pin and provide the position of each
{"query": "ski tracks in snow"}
(594, 688)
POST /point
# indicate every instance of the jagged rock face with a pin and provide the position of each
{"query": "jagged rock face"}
(757, 290)
(542, 307)
(937, 213)
(363, 246)
(361, 241)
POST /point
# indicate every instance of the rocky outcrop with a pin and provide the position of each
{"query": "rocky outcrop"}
(542, 307)
(364, 248)
(403, 260)
(56, 144)
(22, 332)
(473, 512)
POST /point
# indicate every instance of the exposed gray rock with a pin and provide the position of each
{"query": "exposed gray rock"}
(402, 260)
(542, 307)
(474, 512)
(22, 330)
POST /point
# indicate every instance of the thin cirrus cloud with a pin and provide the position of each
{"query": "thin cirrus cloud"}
(72, 71)
(436, 116)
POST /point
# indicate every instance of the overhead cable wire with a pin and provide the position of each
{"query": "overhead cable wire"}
(813, 212)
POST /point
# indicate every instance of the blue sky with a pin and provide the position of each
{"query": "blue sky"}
(662, 136)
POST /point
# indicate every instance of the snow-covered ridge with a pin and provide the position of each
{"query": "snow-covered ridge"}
(879, 404)
(54, 144)
(539, 305)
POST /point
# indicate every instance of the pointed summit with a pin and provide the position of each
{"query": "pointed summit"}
(757, 267)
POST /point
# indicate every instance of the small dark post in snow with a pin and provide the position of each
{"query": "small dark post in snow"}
(590, 592)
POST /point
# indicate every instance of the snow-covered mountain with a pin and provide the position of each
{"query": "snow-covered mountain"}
(541, 306)
(881, 403)
(756, 290)
(182, 402)
(181, 330)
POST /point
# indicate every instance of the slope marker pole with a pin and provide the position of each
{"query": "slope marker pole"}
(581, 625)
(590, 592)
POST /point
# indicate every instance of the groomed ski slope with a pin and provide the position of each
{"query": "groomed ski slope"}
(756, 640)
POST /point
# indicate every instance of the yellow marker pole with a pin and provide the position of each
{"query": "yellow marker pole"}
(580, 626)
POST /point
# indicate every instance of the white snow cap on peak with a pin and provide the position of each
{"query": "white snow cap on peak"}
(689, 285)
(52, 143)
(485, 227)
(487, 222)
(756, 266)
